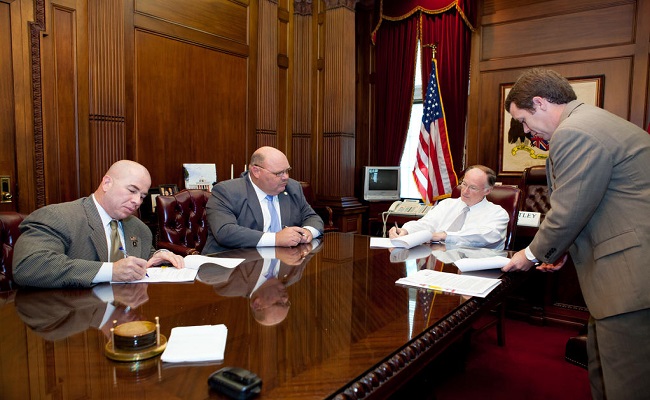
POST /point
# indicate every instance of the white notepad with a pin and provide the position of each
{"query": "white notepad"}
(196, 343)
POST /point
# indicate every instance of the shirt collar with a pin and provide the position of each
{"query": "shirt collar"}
(106, 219)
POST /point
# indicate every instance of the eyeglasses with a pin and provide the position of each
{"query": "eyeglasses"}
(472, 188)
(279, 174)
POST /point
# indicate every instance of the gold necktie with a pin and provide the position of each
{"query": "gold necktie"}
(116, 252)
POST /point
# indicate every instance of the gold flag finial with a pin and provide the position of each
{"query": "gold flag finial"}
(433, 50)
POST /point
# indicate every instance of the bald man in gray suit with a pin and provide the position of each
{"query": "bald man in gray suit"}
(238, 210)
(67, 244)
(600, 201)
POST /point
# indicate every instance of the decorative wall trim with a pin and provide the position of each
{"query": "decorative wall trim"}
(35, 29)
(332, 4)
(302, 7)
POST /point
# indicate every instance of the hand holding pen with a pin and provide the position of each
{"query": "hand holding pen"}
(128, 268)
(396, 231)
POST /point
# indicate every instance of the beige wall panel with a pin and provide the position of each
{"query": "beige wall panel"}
(190, 108)
(227, 19)
(573, 31)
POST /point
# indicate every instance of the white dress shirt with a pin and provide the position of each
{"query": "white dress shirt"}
(485, 226)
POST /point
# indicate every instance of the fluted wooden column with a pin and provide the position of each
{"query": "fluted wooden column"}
(339, 113)
(303, 160)
(107, 86)
(267, 74)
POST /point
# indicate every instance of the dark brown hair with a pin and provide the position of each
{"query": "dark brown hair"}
(544, 83)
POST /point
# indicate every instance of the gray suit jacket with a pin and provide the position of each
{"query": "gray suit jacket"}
(64, 245)
(600, 201)
(235, 214)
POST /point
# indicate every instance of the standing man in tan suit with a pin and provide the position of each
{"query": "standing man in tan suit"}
(93, 239)
(600, 201)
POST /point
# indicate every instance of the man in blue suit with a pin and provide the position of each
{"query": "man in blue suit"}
(263, 207)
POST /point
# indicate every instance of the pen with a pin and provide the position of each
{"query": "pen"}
(123, 250)
(396, 228)
(301, 233)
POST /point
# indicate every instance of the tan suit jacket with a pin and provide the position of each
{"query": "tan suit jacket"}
(599, 179)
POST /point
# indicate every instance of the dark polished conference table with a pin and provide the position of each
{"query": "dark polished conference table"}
(343, 328)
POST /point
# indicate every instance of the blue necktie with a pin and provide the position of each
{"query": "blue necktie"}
(271, 272)
(275, 220)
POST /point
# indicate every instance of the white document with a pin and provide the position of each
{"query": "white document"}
(196, 343)
(187, 274)
(407, 241)
(478, 264)
(452, 283)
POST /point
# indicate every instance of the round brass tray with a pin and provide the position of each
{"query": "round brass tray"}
(135, 355)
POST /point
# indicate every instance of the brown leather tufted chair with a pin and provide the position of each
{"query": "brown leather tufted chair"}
(9, 233)
(182, 221)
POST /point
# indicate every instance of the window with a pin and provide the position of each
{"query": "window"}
(408, 189)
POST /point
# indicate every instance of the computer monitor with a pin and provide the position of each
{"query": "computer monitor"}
(381, 183)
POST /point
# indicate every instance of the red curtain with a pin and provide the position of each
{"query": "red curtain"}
(446, 24)
(395, 60)
(453, 43)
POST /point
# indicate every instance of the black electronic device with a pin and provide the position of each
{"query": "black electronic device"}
(237, 383)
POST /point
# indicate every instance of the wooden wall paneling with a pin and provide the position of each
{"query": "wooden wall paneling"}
(301, 154)
(191, 106)
(640, 78)
(267, 75)
(339, 119)
(579, 39)
(7, 100)
(575, 31)
(22, 19)
(285, 79)
(219, 18)
(65, 104)
(107, 85)
(338, 103)
(364, 100)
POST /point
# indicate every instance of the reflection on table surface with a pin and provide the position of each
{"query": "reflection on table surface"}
(329, 313)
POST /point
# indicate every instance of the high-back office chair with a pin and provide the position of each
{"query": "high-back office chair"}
(508, 197)
(325, 212)
(9, 233)
(182, 221)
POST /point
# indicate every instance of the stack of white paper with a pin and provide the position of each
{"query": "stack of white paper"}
(187, 274)
(452, 283)
(478, 264)
(406, 241)
(196, 343)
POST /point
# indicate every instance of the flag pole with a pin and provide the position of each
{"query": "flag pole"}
(433, 50)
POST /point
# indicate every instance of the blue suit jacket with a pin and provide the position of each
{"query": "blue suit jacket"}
(235, 215)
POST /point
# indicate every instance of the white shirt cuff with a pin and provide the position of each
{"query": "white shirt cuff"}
(530, 256)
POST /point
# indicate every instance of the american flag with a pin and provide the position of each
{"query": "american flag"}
(434, 172)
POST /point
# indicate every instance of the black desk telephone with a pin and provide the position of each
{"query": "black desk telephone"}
(234, 382)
